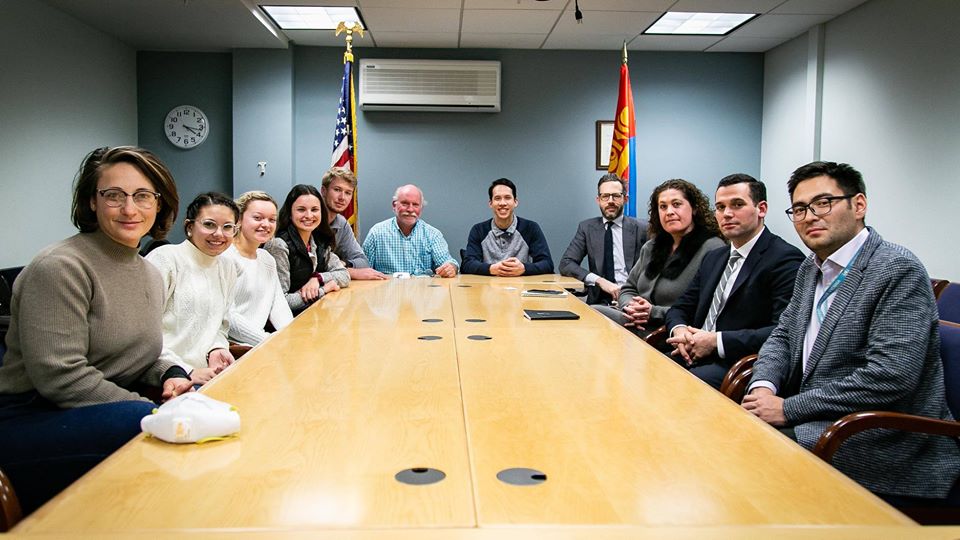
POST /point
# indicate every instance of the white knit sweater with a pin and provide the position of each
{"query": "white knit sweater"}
(198, 294)
(258, 298)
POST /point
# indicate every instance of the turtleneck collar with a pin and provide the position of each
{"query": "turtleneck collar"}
(113, 249)
(201, 258)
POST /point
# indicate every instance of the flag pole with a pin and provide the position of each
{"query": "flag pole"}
(345, 153)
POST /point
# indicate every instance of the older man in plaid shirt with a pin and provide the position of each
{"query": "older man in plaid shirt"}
(406, 243)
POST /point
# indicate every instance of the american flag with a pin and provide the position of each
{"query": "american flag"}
(344, 135)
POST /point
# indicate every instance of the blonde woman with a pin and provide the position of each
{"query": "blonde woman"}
(258, 296)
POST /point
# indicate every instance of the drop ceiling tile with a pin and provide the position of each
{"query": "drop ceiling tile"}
(672, 43)
(780, 26)
(802, 7)
(417, 39)
(555, 5)
(726, 6)
(429, 21)
(469, 40)
(628, 24)
(404, 4)
(509, 22)
(611, 42)
(746, 44)
(623, 5)
(327, 38)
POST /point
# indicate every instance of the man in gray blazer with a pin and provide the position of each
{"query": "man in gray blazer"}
(860, 333)
(608, 270)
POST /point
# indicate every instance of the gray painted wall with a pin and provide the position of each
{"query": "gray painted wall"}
(698, 117)
(263, 116)
(168, 80)
(65, 89)
(891, 109)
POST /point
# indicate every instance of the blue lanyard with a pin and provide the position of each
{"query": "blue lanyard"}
(822, 304)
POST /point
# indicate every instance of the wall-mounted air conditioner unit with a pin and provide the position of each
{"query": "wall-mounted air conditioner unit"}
(430, 85)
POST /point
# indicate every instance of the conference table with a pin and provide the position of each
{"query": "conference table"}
(431, 404)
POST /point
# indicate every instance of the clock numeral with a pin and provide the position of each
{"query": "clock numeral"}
(175, 119)
(173, 133)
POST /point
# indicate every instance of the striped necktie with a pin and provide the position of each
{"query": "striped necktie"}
(719, 296)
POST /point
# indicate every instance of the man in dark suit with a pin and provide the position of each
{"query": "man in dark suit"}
(860, 333)
(608, 268)
(736, 298)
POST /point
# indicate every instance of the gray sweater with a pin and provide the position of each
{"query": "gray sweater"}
(85, 324)
(660, 291)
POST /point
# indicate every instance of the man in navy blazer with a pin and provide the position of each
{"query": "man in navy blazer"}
(860, 333)
(627, 236)
(736, 298)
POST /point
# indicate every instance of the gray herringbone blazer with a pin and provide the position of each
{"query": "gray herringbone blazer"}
(878, 349)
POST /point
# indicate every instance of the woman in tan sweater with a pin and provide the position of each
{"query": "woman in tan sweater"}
(85, 330)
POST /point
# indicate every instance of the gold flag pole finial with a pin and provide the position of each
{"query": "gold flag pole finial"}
(349, 29)
(624, 51)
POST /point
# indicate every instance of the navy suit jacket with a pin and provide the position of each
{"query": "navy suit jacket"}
(761, 292)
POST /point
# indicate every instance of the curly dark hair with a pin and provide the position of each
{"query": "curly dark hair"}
(663, 260)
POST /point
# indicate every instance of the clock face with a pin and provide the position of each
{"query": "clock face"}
(186, 126)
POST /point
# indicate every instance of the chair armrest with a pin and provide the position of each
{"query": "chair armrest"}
(735, 371)
(10, 512)
(854, 423)
(657, 338)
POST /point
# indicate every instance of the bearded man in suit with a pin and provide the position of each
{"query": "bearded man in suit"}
(611, 243)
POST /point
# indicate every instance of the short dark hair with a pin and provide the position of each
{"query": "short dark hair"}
(849, 179)
(758, 191)
(610, 177)
(210, 198)
(502, 182)
(85, 186)
(323, 235)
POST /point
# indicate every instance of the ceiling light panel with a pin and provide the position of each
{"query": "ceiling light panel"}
(708, 24)
(311, 17)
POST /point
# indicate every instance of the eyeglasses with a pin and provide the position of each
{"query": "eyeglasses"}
(116, 197)
(819, 207)
(610, 196)
(210, 226)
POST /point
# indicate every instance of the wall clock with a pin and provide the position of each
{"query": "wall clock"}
(186, 126)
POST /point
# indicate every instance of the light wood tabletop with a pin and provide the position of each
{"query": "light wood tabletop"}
(625, 436)
(327, 421)
(349, 394)
(836, 532)
(478, 305)
(555, 280)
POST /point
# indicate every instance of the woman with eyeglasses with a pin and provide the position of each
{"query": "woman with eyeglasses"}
(682, 230)
(303, 249)
(198, 287)
(84, 340)
(259, 297)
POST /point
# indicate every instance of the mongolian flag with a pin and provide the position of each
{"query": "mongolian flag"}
(623, 151)
(345, 135)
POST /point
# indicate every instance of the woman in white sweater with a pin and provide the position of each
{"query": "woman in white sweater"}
(198, 288)
(258, 297)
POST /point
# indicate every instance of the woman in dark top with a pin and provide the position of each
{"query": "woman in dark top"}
(303, 248)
